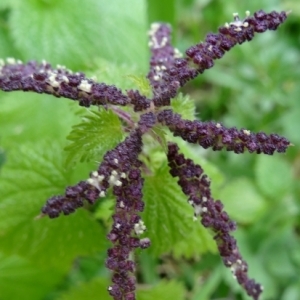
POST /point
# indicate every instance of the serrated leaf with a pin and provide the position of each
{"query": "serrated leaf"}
(73, 32)
(164, 290)
(167, 215)
(198, 242)
(242, 201)
(33, 283)
(28, 178)
(96, 289)
(273, 175)
(184, 106)
(142, 83)
(93, 137)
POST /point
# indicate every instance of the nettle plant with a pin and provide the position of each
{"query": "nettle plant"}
(149, 117)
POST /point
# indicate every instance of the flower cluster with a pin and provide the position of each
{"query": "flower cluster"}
(196, 185)
(121, 168)
(168, 71)
(216, 136)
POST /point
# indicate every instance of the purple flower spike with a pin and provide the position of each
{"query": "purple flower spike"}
(168, 71)
(59, 82)
(216, 136)
(196, 185)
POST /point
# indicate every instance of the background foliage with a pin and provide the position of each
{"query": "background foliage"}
(255, 86)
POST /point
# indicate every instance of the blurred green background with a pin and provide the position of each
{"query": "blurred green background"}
(255, 86)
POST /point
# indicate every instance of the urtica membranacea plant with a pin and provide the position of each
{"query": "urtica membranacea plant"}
(122, 168)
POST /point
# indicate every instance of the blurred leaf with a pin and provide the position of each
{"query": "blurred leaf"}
(225, 79)
(2, 157)
(207, 289)
(273, 175)
(292, 291)
(242, 201)
(148, 267)
(161, 11)
(93, 137)
(74, 32)
(31, 117)
(28, 179)
(293, 6)
(276, 251)
(290, 123)
(20, 279)
(165, 290)
(7, 48)
(96, 289)
(184, 106)
(257, 269)
(167, 215)
(6, 3)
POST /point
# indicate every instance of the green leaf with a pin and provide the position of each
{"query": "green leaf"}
(290, 122)
(242, 201)
(165, 290)
(185, 106)
(198, 242)
(159, 11)
(159, 199)
(29, 117)
(7, 3)
(117, 74)
(27, 180)
(292, 291)
(273, 176)
(93, 137)
(6, 49)
(2, 157)
(167, 215)
(205, 291)
(96, 289)
(105, 209)
(155, 145)
(32, 283)
(276, 251)
(142, 84)
(74, 32)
